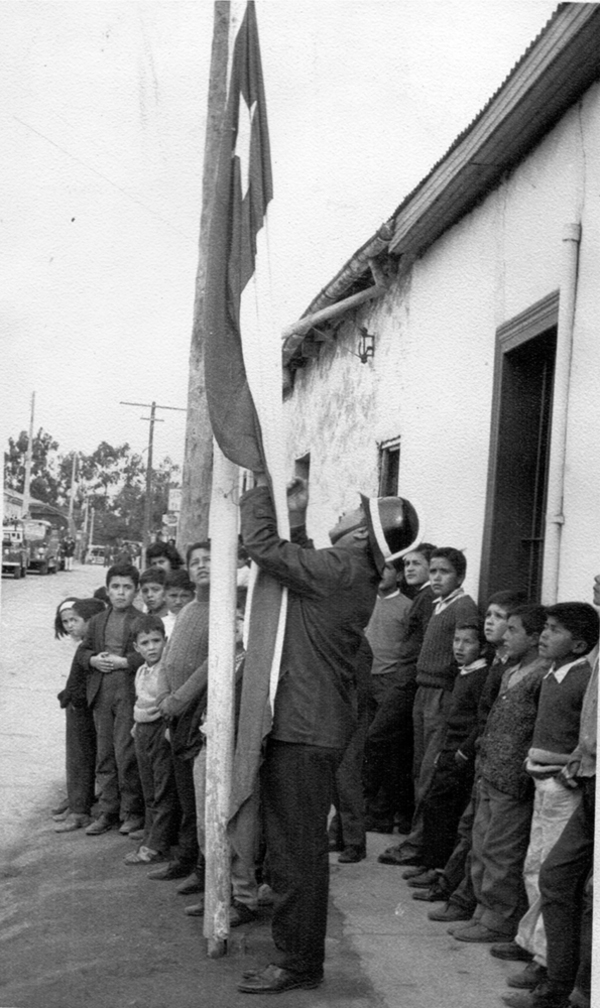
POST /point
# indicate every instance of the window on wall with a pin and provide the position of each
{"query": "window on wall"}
(389, 467)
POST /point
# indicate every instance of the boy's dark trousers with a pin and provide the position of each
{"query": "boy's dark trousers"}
(81, 759)
(116, 766)
(187, 844)
(157, 774)
(443, 806)
(389, 749)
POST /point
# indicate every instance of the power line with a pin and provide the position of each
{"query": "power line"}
(105, 178)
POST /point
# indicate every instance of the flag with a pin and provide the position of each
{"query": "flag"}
(243, 361)
(243, 190)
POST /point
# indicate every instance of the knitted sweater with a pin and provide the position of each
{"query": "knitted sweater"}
(186, 649)
(436, 666)
(385, 630)
(509, 731)
(559, 713)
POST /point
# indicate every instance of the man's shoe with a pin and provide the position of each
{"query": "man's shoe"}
(195, 910)
(529, 977)
(478, 933)
(352, 853)
(71, 822)
(545, 995)
(102, 824)
(274, 980)
(60, 811)
(450, 912)
(424, 880)
(172, 870)
(190, 885)
(131, 825)
(145, 855)
(510, 950)
(395, 856)
(240, 914)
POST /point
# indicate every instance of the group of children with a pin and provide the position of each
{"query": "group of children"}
(496, 719)
(494, 705)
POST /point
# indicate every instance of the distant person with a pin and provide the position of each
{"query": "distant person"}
(161, 554)
(112, 662)
(68, 552)
(72, 619)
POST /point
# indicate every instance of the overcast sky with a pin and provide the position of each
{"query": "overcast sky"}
(102, 124)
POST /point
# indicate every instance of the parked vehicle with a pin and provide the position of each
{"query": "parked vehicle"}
(15, 550)
(95, 555)
(44, 545)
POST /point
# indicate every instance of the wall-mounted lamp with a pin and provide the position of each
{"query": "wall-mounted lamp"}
(366, 345)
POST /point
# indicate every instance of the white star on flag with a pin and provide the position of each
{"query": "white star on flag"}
(243, 141)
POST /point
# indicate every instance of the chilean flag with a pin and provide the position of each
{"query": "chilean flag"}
(243, 369)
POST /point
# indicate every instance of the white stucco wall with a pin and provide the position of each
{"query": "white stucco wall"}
(431, 379)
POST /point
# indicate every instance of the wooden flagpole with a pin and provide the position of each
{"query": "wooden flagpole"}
(221, 677)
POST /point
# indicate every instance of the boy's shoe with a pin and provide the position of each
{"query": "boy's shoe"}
(450, 912)
(432, 895)
(510, 950)
(529, 977)
(102, 824)
(195, 910)
(418, 869)
(190, 885)
(144, 855)
(424, 880)
(131, 824)
(71, 822)
(396, 856)
(455, 929)
(239, 914)
(545, 995)
(137, 834)
(478, 933)
(60, 810)
(171, 871)
(352, 853)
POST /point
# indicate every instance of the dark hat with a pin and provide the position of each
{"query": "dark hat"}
(394, 527)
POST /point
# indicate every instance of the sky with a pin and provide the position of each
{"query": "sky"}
(102, 126)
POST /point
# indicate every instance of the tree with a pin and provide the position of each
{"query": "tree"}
(44, 483)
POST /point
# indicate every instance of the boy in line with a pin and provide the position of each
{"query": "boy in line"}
(183, 672)
(436, 671)
(153, 589)
(454, 884)
(454, 768)
(152, 749)
(504, 803)
(571, 631)
(112, 661)
(179, 590)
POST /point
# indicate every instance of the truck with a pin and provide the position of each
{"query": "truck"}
(15, 549)
(44, 545)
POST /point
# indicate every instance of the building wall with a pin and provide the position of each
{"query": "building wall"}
(431, 379)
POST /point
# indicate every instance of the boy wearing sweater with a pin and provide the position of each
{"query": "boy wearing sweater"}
(452, 781)
(571, 631)
(436, 672)
(504, 804)
(152, 749)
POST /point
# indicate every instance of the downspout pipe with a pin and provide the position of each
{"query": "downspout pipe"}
(555, 518)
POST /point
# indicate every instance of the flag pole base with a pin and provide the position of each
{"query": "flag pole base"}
(216, 947)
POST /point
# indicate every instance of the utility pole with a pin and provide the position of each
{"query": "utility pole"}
(149, 471)
(72, 495)
(28, 461)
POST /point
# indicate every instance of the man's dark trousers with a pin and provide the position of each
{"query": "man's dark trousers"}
(296, 791)
(563, 876)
